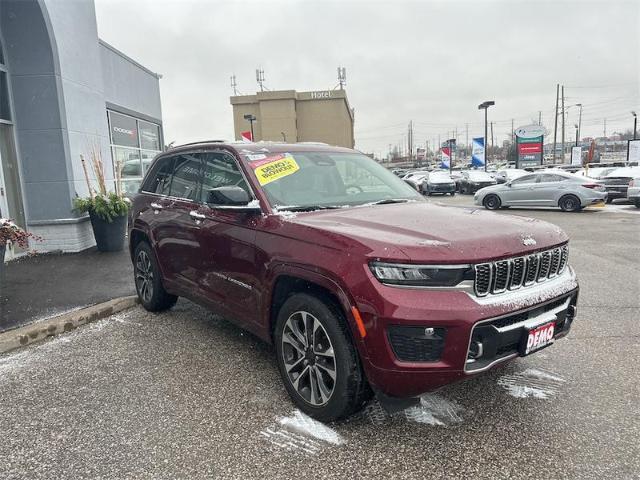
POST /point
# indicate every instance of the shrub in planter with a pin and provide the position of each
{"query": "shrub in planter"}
(107, 210)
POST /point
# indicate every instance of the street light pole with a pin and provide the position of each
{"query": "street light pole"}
(579, 120)
(577, 129)
(485, 106)
(251, 118)
(635, 124)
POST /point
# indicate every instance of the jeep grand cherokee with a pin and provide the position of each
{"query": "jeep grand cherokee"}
(362, 285)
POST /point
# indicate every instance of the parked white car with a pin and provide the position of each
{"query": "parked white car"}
(633, 192)
(548, 188)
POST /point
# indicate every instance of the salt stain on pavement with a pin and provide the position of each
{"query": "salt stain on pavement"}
(300, 432)
(434, 409)
(531, 383)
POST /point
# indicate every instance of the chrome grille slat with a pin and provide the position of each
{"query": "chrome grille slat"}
(513, 273)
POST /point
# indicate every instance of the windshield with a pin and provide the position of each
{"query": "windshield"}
(440, 176)
(327, 180)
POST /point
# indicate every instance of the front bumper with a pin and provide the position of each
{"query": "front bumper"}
(439, 188)
(464, 318)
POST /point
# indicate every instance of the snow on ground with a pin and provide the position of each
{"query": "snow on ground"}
(434, 409)
(300, 432)
(531, 383)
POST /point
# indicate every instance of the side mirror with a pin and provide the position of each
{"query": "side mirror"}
(232, 198)
(508, 183)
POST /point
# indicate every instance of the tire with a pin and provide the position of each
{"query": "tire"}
(636, 202)
(569, 203)
(609, 200)
(321, 397)
(452, 193)
(151, 293)
(492, 202)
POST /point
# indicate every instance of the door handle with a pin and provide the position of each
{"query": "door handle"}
(156, 206)
(197, 216)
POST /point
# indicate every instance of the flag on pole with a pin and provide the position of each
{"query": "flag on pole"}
(477, 152)
(246, 136)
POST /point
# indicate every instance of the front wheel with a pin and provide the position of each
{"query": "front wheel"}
(637, 202)
(569, 203)
(452, 193)
(492, 202)
(317, 360)
(151, 293)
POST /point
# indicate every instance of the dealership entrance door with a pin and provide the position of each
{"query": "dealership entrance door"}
(10, 192)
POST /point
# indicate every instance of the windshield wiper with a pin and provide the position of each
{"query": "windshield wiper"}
(389, 200)
(304, 208)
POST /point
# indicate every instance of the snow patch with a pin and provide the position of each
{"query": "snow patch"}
(531, 383)
(528, 240)
(302, 433)
(435, 410)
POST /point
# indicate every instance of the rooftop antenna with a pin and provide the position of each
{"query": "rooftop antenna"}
(234, 85)
(260, 78)
(342, 77)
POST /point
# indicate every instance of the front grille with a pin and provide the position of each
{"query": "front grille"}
(513, 273)
(413, 344)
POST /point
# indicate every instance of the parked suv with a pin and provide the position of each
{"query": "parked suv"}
(361, 284)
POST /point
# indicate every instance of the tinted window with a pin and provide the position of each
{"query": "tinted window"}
(220, 170)
(186, 173)
(525, 179)
(149, 135)
(160, 182)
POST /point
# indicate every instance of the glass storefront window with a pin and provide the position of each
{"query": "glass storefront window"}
(5, 111)
(124, 131)
(134, 145)
(149, 135)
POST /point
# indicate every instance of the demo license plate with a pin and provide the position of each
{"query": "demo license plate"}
(538, 338)
(599, 204)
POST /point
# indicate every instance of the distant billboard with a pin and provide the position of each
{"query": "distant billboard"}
(633, 150)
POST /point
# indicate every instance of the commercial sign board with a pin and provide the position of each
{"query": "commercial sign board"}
(576, 155)
(529, 145)
(420, 153)
(477, 152)
(321, 95)
(633, 150)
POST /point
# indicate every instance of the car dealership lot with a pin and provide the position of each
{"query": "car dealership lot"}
(185, 394)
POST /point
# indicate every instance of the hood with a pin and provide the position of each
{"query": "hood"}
(440, 180)
(426, 232)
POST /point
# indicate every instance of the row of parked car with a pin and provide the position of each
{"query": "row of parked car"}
(545, 187)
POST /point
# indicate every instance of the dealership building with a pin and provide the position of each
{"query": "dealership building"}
(290, 116)
(64, 92)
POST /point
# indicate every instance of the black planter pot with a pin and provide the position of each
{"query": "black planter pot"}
(109, 236)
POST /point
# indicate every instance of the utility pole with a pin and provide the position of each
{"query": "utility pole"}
(260, 78)
(539, 117)
(491, 135)
(555, 124)
(605, 128)
(579, 120)
(513, 142)
(466, 143)
(562, 123)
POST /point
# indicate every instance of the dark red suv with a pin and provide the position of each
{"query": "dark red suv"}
(361, 284)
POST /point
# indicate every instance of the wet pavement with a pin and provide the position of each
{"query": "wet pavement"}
(41, 286)
(184, 394)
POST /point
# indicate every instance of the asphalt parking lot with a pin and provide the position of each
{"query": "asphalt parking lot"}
(184, 394)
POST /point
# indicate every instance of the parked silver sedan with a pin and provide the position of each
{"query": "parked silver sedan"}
(548, 188)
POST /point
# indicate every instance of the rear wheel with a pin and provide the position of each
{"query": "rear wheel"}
(318, 362)
(569, 203)
(452, 193)
(609, 200)
(491, 202)
(151, 293)
(637, 202)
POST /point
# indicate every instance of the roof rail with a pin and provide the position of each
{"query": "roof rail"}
(198, 142)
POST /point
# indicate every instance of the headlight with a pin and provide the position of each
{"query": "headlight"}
(421, 275)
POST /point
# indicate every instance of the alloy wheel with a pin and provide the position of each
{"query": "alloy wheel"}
(144, 276)
(309, 359)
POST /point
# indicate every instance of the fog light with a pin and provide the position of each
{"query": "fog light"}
(417, 344)
(475, 350)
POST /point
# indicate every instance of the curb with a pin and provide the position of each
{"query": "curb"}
(49, 327)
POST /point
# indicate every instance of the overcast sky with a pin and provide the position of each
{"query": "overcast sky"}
(431, 62)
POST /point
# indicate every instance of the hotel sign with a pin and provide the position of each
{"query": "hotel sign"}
(322, 95)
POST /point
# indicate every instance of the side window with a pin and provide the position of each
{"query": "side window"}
(160, 181)
(220, 169)
(549, 177)
(186, 173)
(525, 179)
